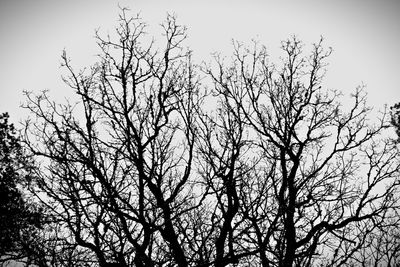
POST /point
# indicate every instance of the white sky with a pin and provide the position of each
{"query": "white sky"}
(364, 34)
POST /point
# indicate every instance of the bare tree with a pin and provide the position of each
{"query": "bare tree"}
(119, 174)
(138, 173)
(324, 176)
(382, 246)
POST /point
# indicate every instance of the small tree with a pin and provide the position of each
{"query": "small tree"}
(277, 174)
(19, 217)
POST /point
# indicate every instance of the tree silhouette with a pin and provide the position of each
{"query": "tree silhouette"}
(20, 218)
(382, 246)
(395, 120)
(146, 171)
(324, 178)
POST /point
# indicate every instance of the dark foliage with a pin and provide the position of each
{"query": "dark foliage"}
(19, 218)
(395, 112)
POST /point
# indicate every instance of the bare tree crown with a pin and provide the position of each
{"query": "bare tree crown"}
(143, 172)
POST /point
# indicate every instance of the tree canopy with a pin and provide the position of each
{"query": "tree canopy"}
(395, 120)
(19, 217)
(163, 162)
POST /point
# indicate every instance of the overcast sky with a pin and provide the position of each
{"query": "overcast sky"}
(364, 34)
